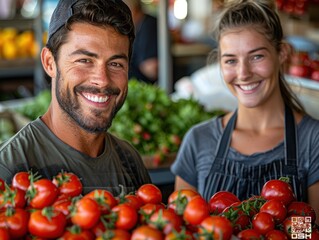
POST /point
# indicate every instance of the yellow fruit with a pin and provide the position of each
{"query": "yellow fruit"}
(25, 42)
(8, 34)
(9, 50)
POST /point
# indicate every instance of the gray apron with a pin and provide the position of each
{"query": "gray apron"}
(245, 180)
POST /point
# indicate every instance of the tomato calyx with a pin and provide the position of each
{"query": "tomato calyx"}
(160, 222)
(285, 179)
(109, 220)
(180, 203)
(31, 191)
(10, 211)
(62, 178)
(8, 196)
(75, 229)
(101, 200)
(108, 235)
(182, 234)
(49, 212)
(204, 234)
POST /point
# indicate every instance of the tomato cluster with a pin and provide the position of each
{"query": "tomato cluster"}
(38, 208)
(302, 65)
(295, 7)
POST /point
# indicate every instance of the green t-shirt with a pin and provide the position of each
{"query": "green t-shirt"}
(36, 148)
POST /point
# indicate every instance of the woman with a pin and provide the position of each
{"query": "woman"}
(269, 135)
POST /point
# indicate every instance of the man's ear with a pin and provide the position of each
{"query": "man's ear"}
(48, 62)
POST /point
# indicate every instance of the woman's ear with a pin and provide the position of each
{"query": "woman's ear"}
(48, 62)
(286, 51)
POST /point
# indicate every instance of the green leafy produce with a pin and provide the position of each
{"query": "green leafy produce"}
(153, 122)
(7, 128)
(37, 107)
(149, 118)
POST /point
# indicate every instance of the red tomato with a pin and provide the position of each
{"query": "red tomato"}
(263, 222)
(249, 234)
(276, 209)
(134, 200)
(221, 200)
(225, 194)
(2, 185)
(278, 189)
(47, 223)
(218, 205)
(63, 203)
(100, 227)
(13, 197)
(301, 209)
(315, 234)
(104, 198)
(299, 71)
(315, 75)
(215, 227)
(21, 180)
(126, 216)
(183, 234)
(145, 232)
(275, 235)
(42, 193)
(149, 193)
(286, 226)
(68, 183)
(166, 220)
(239, 219)
(196, 210)
(86, 213)
(115, 234)
(76, 233)
(4, 234)
(16, 222)
(178, 199)
(147, 210)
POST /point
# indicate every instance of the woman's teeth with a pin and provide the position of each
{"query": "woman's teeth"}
(249, 87)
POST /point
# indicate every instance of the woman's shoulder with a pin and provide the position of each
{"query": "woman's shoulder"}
(308, 128)
(211, 127)
(309, 121)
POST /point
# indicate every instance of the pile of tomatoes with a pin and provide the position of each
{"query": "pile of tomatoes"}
(302, 65)
(32, 207)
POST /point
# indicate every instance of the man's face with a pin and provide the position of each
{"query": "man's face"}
(92, 75)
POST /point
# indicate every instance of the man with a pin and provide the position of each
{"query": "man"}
(87, 57)
(144, 64)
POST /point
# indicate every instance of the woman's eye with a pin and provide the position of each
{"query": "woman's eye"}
(257, 57)
(230, 61)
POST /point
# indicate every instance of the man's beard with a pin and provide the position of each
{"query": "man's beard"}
(72, 108)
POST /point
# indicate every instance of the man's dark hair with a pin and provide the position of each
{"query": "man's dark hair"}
(104, 13)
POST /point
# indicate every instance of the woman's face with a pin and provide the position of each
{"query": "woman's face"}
(250, 66)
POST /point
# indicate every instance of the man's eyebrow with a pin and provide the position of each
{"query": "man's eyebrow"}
(119, 56)
(84, 52)
(95, 55)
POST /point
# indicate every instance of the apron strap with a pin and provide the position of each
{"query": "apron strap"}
(226, 137)
(290, 137)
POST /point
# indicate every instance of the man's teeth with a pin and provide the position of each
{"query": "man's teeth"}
(249, 87)
(97, 99)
